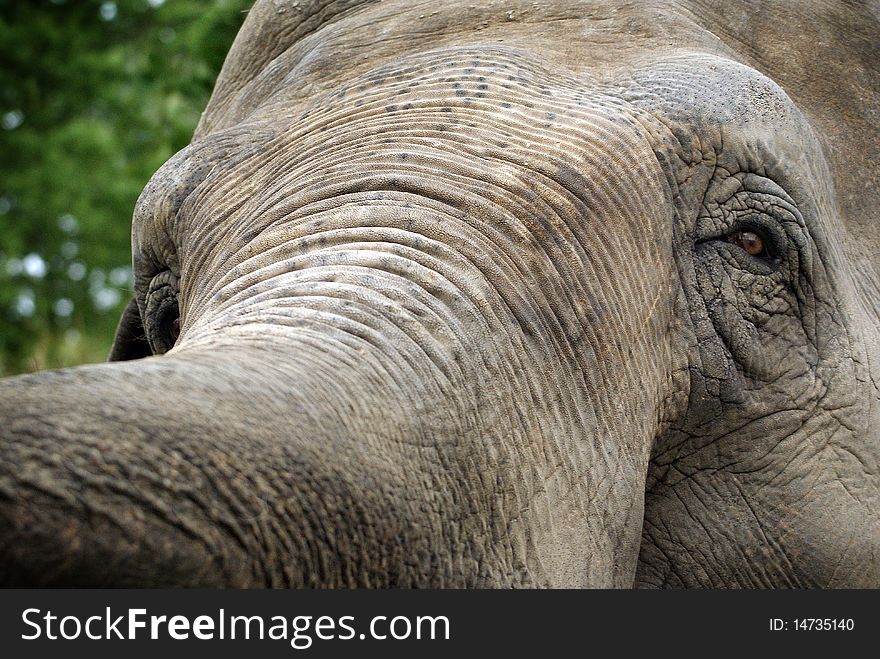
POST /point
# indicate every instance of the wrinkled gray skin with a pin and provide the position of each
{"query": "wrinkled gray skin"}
(458, 308)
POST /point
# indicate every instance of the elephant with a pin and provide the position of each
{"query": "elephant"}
(504, 294)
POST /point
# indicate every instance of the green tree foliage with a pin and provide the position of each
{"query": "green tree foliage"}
(94, 96)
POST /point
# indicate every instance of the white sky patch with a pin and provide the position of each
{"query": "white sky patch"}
(122, 277)
(105, 298)
(12, 119)
(108, 11)
(34, 266)
(63, 307)
(25, 303)
(76, 271)
(67, 223)
(69, 249)
(14, 267)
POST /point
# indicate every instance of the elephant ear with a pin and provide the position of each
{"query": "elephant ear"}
(130, 341)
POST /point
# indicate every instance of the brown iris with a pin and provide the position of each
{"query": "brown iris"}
(750, 241)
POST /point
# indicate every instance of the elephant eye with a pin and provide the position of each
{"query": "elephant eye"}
(752, 242)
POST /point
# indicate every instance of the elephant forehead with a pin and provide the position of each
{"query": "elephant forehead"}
(463, 117)
(304, 47)
(487, 132)
(482, 129)
(538, 167)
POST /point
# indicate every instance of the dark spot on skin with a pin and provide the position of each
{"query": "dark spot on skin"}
(403, 156)
(505, 105)
(446, 109)
(390, 108)
(569, 178)
(457, 85)
(550, 115)
(358, 104)
(483, 86)
(502, 145)
(408, 106)
(470, 71)
(480, 95)
(460, 92)
(481, 79)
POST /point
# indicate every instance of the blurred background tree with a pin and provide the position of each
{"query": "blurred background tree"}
(94, 96)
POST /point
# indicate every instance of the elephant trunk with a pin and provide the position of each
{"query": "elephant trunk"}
(222, 469)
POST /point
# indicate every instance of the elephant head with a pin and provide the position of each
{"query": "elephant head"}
(523, 294)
